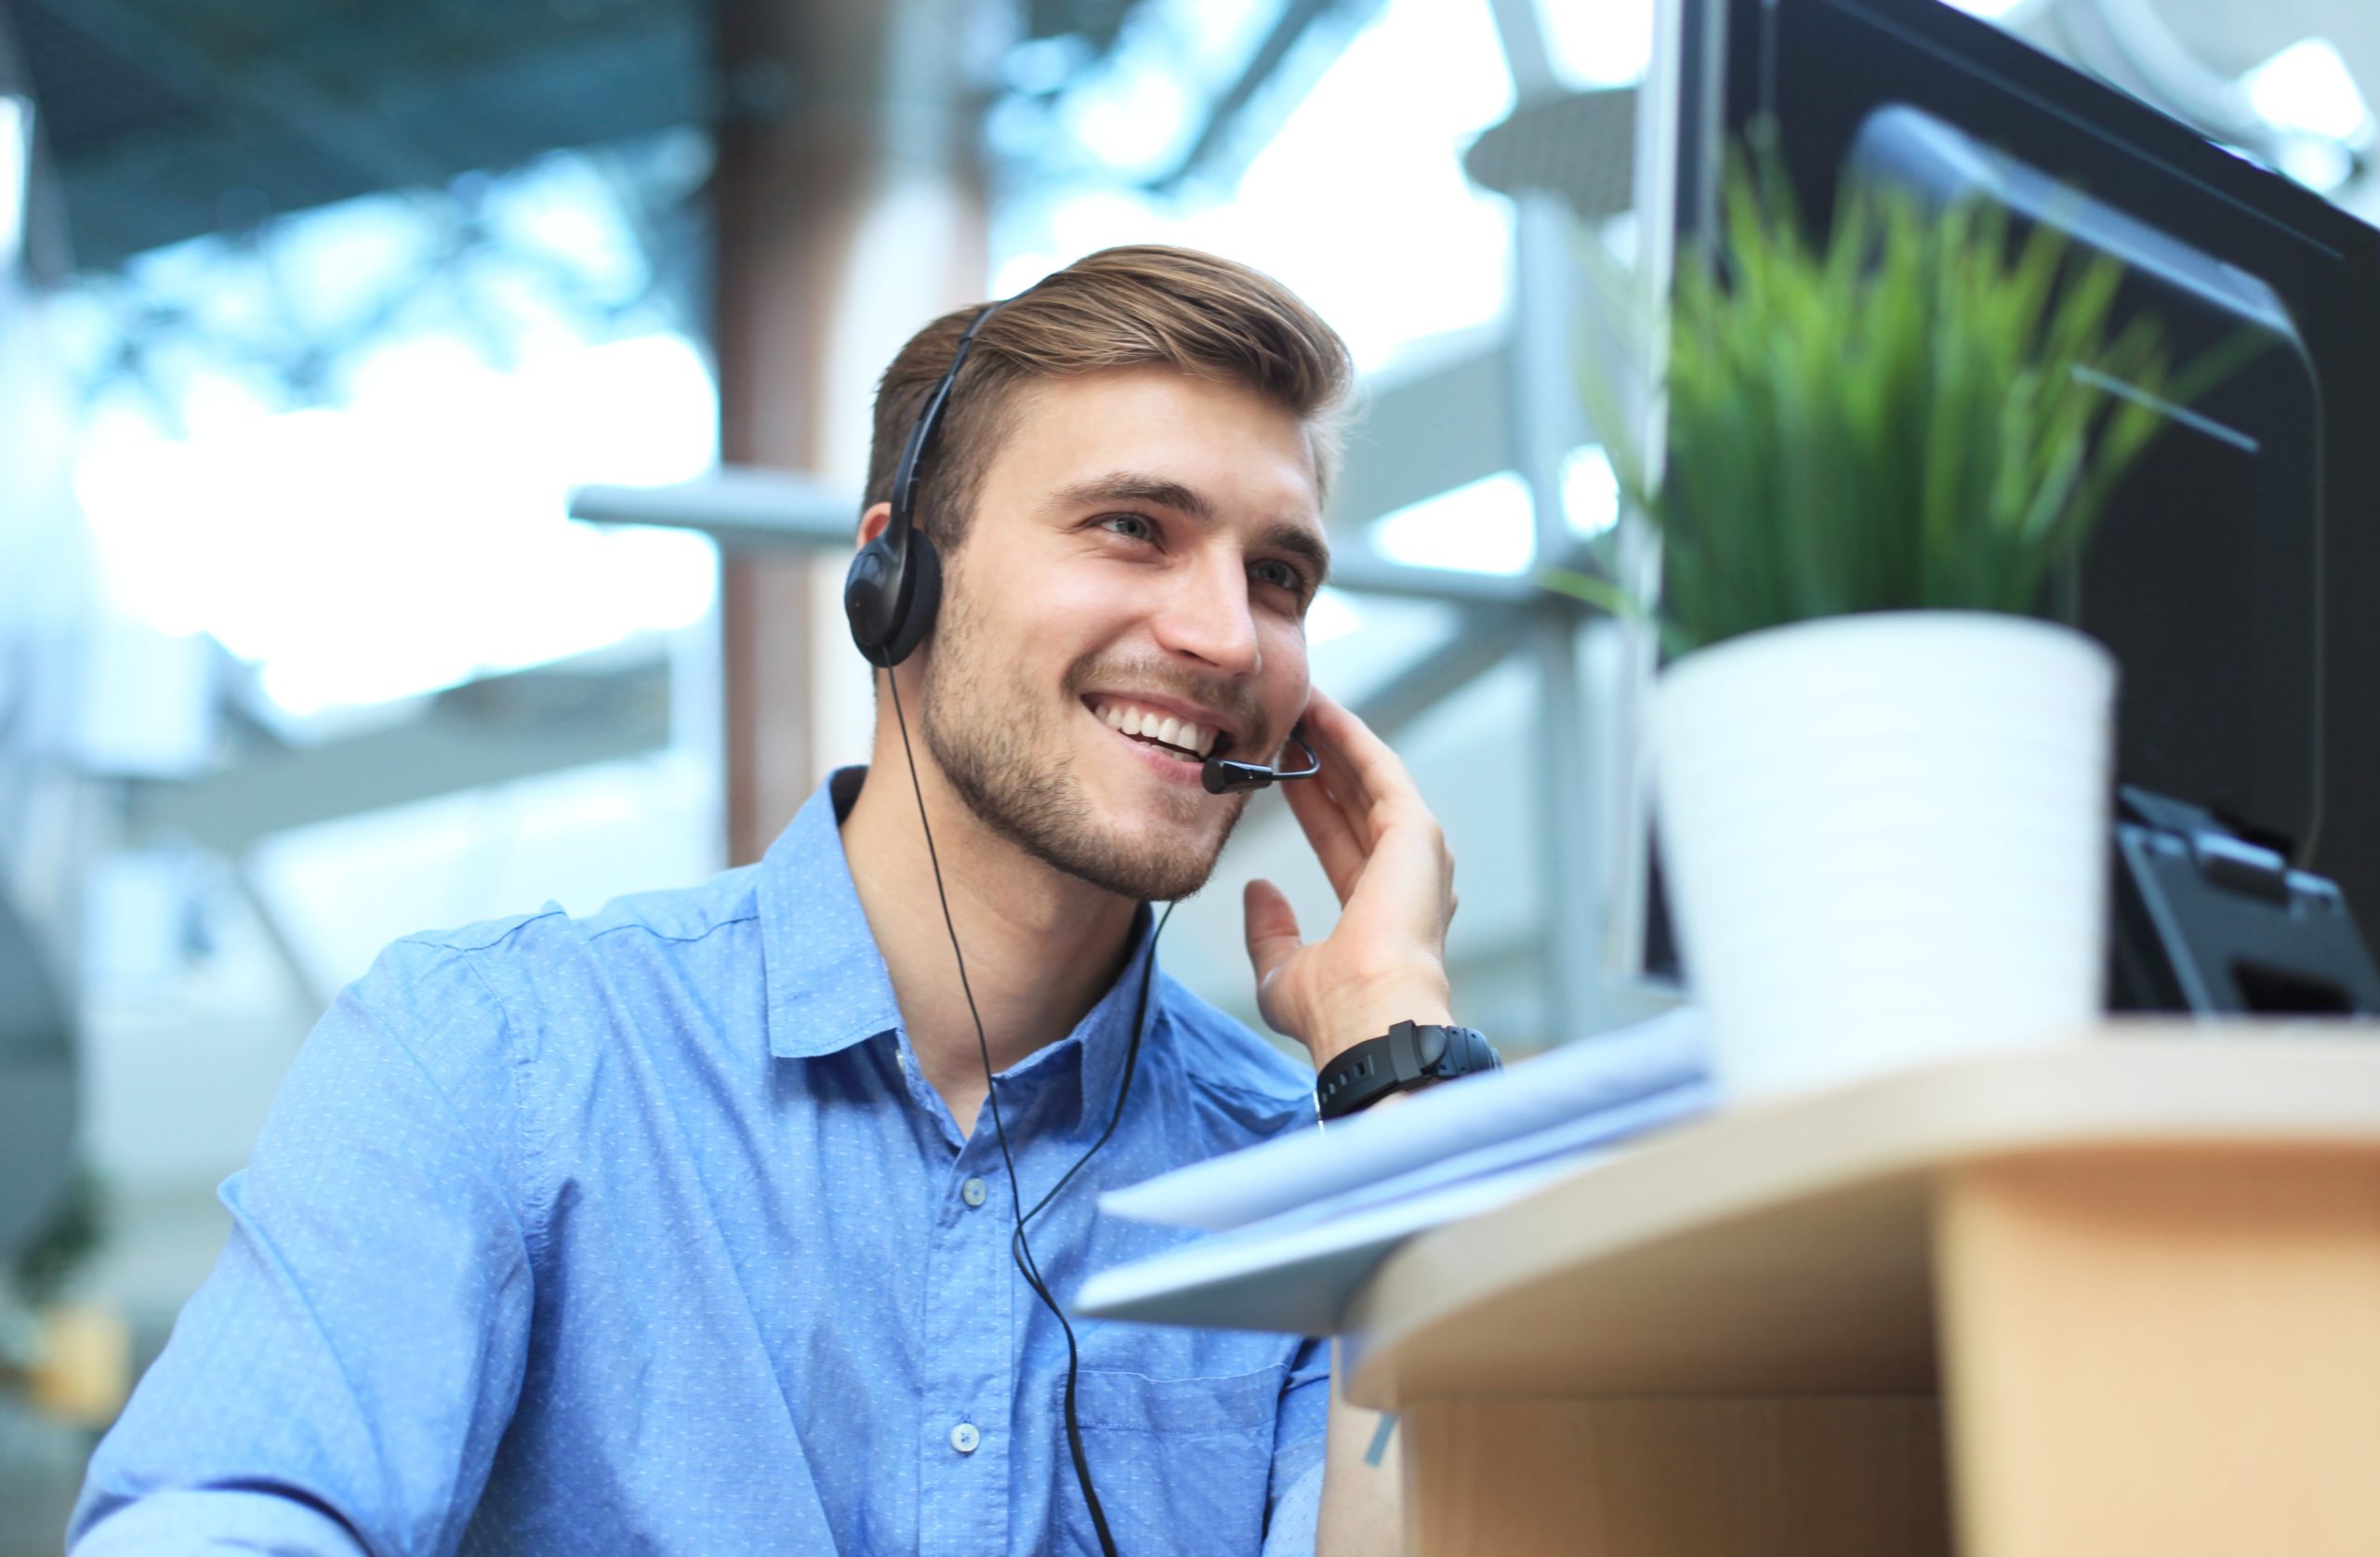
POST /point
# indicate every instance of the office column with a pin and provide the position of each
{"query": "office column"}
(849, 210)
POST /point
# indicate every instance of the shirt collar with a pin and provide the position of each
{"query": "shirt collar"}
(1102, 1040)
(828, 988)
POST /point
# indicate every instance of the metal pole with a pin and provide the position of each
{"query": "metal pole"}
(1547, 425)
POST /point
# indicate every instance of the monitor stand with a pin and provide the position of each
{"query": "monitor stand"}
(2209, 921)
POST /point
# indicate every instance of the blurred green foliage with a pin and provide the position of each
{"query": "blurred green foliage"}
(1919, 414)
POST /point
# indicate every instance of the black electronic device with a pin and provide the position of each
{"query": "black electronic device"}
(1222, 776)
(894, 585)
(2230, 570)
(2210, 922)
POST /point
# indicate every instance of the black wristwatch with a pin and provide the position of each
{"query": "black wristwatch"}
(1407, 1057)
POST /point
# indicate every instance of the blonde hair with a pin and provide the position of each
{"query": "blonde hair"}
(1145, 304)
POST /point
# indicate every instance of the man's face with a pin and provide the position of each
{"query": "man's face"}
(1143, 549)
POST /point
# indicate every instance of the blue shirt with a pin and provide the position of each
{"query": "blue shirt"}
(643, 1232)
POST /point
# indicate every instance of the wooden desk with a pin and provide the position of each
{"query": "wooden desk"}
(2134, 1281)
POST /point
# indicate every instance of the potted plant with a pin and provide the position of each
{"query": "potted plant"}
(1881, 783)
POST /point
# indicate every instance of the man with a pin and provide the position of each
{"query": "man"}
(685, 1227)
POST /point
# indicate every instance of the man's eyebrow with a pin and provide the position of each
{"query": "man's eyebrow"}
(1132, 486)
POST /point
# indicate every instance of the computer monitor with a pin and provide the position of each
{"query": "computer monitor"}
(2236, 574)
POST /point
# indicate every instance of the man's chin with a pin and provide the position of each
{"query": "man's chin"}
(1154, 842)
(1103, 816)
(1166, 880)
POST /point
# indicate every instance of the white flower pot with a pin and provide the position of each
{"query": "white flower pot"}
(1885, 839)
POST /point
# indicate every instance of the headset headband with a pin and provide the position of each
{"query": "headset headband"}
(913, 455)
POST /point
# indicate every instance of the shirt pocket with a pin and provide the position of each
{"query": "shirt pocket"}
(1182, 1465)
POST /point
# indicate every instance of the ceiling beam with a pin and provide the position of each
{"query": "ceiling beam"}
(268, 93)
(497, 730)
(1297, 23)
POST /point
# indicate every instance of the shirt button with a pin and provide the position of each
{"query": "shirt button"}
(973, 1193)
(964, 1437)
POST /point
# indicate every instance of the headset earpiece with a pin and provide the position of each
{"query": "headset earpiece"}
(889, 596)
(894, 585)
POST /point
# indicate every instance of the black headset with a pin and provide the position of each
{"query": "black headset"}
(894, 585)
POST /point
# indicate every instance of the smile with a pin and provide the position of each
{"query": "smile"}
(1169, 733)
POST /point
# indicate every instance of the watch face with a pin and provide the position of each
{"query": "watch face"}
(1432, 1042)
(1369, 1071)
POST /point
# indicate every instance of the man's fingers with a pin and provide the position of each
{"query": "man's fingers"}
(1356, 763)
(1328, 830)
(1272, 930)
(1327, 728)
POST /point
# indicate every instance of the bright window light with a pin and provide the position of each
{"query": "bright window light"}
(1598, 43)
(1331, 616)
(2321, 165)
(1991, 10)
(16, 174)
(1359, 203)
(1137, 113)
(1589, 490)
(419, 535)
(1482, 526)
(2307, 89)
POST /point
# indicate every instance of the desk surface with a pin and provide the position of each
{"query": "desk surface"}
(1785, 1248)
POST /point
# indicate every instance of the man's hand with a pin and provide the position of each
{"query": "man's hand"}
(1385, 960)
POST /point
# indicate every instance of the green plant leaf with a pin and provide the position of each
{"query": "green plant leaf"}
(1918, 413)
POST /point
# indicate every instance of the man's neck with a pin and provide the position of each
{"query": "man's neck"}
(1041, 946)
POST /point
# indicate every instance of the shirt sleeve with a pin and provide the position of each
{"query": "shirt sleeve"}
(1294, 1497)
(340, 1382)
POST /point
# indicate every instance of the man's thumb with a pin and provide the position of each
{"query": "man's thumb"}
(1272, 929)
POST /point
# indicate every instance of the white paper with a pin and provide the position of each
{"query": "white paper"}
(1478, 1125)
(1295, 1281)
(1295, 1272)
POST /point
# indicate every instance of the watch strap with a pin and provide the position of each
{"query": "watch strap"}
(1409, 1055)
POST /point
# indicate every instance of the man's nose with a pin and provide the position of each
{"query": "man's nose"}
(1208, 615)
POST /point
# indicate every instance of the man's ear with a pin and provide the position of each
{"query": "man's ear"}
(872, 523)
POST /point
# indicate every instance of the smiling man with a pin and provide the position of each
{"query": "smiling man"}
(685, 1228)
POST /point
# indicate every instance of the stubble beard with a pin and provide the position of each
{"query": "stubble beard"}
(1017, 776)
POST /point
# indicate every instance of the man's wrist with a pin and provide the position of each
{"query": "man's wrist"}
(1377, 1008)
(1404, 1058)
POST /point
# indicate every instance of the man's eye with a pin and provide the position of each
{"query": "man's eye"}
(1133, 527)
(1280, 574)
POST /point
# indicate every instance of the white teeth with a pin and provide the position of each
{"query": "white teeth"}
(1153, 725)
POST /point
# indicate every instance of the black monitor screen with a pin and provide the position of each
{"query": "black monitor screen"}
(2235, 570)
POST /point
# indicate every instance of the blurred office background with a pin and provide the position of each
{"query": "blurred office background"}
(428, 435)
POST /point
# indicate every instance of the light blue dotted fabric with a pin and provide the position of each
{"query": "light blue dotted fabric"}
(642, 1233)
